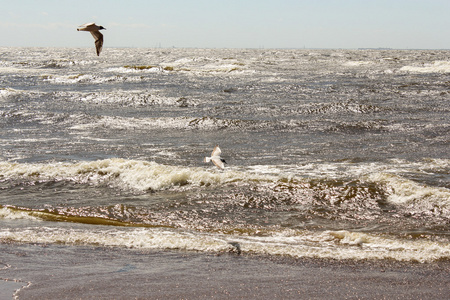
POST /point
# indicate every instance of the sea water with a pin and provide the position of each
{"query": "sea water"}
(340, 154)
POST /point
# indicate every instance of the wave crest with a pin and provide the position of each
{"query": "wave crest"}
(435, 67)
(128, 174)
(293, 243)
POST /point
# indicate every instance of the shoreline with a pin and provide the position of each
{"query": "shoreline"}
(81, 272)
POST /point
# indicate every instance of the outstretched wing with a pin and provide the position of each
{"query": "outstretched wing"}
(85, 27)
(87, 24)
(98, 41)
(216, 151)
(218, 163)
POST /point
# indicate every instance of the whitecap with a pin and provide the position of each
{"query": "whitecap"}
(126, 174)
(87, 78)
(338, 245)
(435, 67)
(413, 198)
(11, 214)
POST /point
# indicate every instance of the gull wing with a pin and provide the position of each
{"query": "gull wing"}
(216, 151)
(98, 41)
(218, 163)
(85, 26)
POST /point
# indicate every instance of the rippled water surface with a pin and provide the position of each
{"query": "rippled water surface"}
(331, 153)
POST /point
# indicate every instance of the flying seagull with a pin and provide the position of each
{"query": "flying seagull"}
(215, 158)
(95, 31)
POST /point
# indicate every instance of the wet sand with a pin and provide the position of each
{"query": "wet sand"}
(66, 272)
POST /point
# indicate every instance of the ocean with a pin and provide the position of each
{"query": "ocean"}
(339, 155)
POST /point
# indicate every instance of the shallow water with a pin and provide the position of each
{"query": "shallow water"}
(89, 272)
(337, 154)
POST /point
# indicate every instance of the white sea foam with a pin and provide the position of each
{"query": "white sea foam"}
(129, 123)
(88, 78)
(435, 67)
(6, 92)
(187, 123)
(136, 69)
(295, 243)
(420, 198)
(9, 94)
(7, 213)
(130, 174)
(358, 63)
(400, 190)
(188, 65)
(129, 98)
(205, 65)
(144, 175)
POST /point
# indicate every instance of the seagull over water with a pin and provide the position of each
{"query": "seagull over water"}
(95, 31)
(215, 158)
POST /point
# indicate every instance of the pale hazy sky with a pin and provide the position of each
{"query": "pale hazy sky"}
(404, 24)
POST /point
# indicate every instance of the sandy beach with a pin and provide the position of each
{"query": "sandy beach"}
(65, 272)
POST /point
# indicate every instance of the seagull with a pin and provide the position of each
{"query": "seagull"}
(215, 158)
(94, 30)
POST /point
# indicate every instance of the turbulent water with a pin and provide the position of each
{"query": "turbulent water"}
(338, 154)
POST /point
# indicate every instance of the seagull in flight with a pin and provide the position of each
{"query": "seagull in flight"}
(215, 158)
(95, 31)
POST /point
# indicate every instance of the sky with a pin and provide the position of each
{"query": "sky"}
(334, 24)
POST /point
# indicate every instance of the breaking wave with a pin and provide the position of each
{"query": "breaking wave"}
(122, 98)
(342, 191)
(136, 175)
(88, 79)
(341, 182)
(435, 67)
(294, 243)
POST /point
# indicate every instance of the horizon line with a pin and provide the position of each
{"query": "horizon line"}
(254, 48)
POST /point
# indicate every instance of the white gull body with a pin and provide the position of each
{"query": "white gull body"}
(215, 158)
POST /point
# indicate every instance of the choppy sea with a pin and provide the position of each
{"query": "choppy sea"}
(340, 154)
